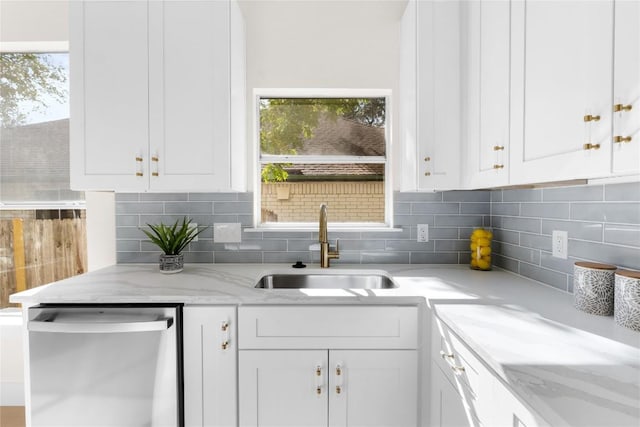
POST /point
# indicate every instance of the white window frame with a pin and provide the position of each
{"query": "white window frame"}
(387, 225)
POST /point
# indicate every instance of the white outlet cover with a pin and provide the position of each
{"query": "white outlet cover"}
(227, 232)
(423, 233)
(559, 243)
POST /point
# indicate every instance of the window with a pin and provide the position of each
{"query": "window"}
(323, 149)
(42, 222)
(34, 131)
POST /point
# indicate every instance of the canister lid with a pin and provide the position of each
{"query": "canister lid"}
(629, 273)
(596, 266)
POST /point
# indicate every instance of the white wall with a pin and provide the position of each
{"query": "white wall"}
(33, 25)
(322, 44)
(101, 229)
(11, 360)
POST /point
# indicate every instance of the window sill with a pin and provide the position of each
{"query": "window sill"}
(303, 228)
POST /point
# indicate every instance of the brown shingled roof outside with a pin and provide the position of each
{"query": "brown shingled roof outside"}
(342, 137)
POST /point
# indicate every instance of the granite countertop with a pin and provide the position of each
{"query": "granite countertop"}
(572, 368)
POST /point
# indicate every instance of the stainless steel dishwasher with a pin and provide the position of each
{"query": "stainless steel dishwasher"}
(106, 365)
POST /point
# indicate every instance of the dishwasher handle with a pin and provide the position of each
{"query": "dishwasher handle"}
(51, 325)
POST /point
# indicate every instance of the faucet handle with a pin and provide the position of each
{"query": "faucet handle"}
(335, 254)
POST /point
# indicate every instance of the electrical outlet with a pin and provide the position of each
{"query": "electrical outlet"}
(559, 243)
(423, 232)
(193, 225)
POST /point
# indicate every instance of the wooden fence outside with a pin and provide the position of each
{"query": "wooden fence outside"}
(34, 252)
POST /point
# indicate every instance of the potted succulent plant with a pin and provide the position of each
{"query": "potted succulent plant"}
(172, 239)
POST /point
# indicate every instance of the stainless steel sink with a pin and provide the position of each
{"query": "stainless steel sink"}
(325, 281)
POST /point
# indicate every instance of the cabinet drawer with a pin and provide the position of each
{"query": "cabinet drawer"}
(463, 369)
(332, 327)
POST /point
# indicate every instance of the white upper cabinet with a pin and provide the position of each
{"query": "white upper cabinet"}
(430, 118)
(157, 96)
(109, 94)
(626, 89)
(561, 90)
(486, 55)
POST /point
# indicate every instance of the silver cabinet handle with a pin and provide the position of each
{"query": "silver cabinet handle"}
(99, 328)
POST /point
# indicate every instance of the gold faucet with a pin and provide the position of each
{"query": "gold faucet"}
(325, 252)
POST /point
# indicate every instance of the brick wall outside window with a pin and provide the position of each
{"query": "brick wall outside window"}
(347, 201)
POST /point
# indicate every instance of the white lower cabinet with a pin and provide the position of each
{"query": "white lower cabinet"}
(210, 366)
(337, 366)
(447, 406)
(465, 392)
(328, 388)
(309, 371)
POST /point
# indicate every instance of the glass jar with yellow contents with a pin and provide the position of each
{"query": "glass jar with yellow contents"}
(481, 249)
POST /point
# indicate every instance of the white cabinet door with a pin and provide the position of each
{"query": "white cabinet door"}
(282, 388)
(626, 89)
(373, 388)
(430, 96)
(439, 119)
(157, 95)
(447, 407)
(328, 388)
(210, 366)
(561, 62)
(189, 96)
(509, 411)
(109, 131)
(487, 56)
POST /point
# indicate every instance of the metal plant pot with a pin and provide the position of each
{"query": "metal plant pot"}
(170, 264)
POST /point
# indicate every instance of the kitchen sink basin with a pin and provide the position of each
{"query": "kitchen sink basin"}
(325, 281)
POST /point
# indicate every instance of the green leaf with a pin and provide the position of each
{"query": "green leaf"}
(172, 239)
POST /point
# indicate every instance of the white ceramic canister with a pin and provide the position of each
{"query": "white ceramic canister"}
(627, 299)
(593, 285)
